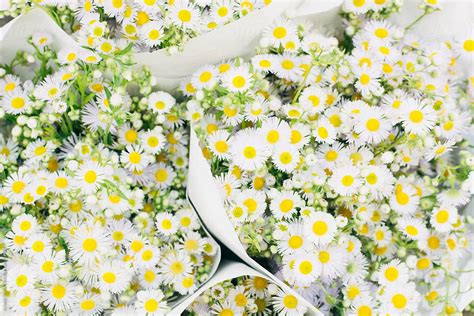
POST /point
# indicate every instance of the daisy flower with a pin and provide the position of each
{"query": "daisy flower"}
(320, 228)
(25, 302)
(345, 180)
(400, 298)
(367, 80)
(166, 223)
(163, 175)
(325, 131)
(174, 266)
(60, 296)
(15, 102)
(237, 79)
(89, 244)
(404, 198)
(443, 217)
(285, 203)
(372, 127)
(392, 273)
(418, 118)
(306, 270)
(151, 302)
(279, 32)
(148, 257)
(152, 33)
(205, 77)
(114, 276)
(89, 176)
(275, 132)
(134, 158)
(413, 228)
(331, 260)
(219, 144)
(161, 102)
(249, 150)
(287, 304)
(185, 15)
(286, 158)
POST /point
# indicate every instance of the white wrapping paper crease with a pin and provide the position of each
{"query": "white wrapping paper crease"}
(236, 39)
(228, 270)
(206, 199)
(14, 34)
(454, 21)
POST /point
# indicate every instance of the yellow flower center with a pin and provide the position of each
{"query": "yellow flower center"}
(290, 301)
(239, 82)
(416, 116)
(58, 291)
(399, 301)
(442, 216)
(18, 103)
(184, 16)
(250, 152)
(391, 274)
(89, 244)
(320, 228)
(372, 125)
(347, 180)
(306, 267)
(109, 277)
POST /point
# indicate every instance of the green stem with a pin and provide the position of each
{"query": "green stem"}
(418, 19)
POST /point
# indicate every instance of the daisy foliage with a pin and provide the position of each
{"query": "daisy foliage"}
(93, 161)
(344, 165)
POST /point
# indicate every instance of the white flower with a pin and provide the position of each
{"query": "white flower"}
(166, 223)
(114, 276)
(59, 296)
(320, 227)
(237, 79)
(371, 126)
(249, 150)
(345, 180)
(418, 118)
(15, 102)
(392, 273)
(286, 158)
(443, 218)
(220, 144)
(151, 302)
(288, 304)
(175, 266)
(185, 15)
(161, 102)
(285, 203)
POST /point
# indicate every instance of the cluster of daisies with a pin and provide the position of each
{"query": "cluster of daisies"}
(93, 165)
(246, 296)
(344, 166)
(149, 24)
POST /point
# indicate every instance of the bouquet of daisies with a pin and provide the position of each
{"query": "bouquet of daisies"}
(343, 165)
(93, 165)
(148, 24)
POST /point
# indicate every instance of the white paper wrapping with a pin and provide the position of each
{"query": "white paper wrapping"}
(236, 39)
(207, 200)
(14, 34)
(455, 21)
